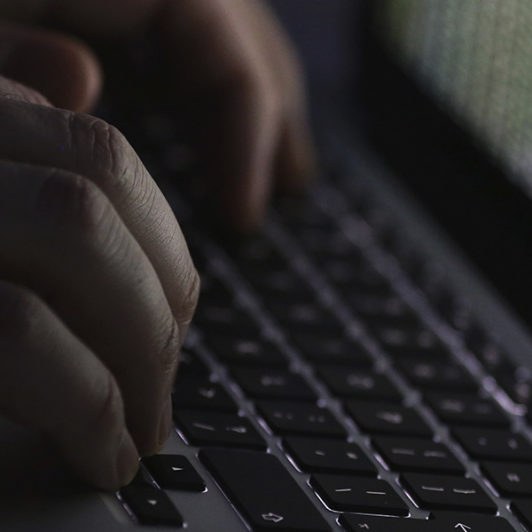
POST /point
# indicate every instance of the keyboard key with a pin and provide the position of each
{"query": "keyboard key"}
(305, 317)
(435, 352)
(407, 343)
(388, 418)
(349, 276)
(518, 388)
(442, 522)
(263, 491)
(374, 306)
(366, 523)
(326, 245)
(217, 428)
(452, 307)
(257, 251)
(273, 384)
(225, 318)
(523, 510)
(151, 506)
(430, 375)
(191, 364)
(492, 444)
(384, 311)
(462, 409)
(212, 290)
(238, 350)
(494, 359)
(362, 384)
(468, 522)
(279, 283)
(358, 494)
(300, 214)
(173, 472)
(331, 350)
(379, 321)
(300, 418)
(328, 456)
(409, 454)
(200, 392)
(444, 492)
(510, 479)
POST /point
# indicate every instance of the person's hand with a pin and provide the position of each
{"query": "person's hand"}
(228, 58)
(97, 288)
(96, 284)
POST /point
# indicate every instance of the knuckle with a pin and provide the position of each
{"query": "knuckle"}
(73, 203)
(105, 146)
(19, 311)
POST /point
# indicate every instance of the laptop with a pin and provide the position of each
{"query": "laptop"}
(364, 362)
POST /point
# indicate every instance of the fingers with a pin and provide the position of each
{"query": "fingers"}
(295, 163)
(62, 238)
(231, 57)
(239, 148)
(92, 148)
(62, 68)
(50, 381)
(218, 64)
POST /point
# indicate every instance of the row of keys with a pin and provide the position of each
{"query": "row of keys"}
(455, 409)
(270, 498)
(339, 492)
(377, 417)
(451, 408)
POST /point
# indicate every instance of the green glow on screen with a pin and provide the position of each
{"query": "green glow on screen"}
(476, 56)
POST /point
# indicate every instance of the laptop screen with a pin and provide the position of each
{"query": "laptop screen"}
(475, 57)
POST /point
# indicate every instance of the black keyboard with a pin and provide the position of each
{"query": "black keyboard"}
(317, 395)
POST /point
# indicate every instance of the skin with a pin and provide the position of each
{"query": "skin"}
(97, 287)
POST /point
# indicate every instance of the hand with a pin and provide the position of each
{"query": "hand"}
(97, 288)
(227, 57)
(96, 284)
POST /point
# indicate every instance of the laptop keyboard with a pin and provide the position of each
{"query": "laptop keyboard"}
(308, 359)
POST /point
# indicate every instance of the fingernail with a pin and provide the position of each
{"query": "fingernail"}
(127, 462)
(166, 422)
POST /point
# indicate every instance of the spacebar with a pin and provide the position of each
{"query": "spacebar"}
(263, 491)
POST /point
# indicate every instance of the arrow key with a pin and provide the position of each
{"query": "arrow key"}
(366, 523)
(173, 472)
(151, 506)
(263, 490)
(467, 522)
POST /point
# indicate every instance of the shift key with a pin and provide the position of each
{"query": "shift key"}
(263, 491)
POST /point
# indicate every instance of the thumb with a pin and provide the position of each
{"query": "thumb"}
(61, 68)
